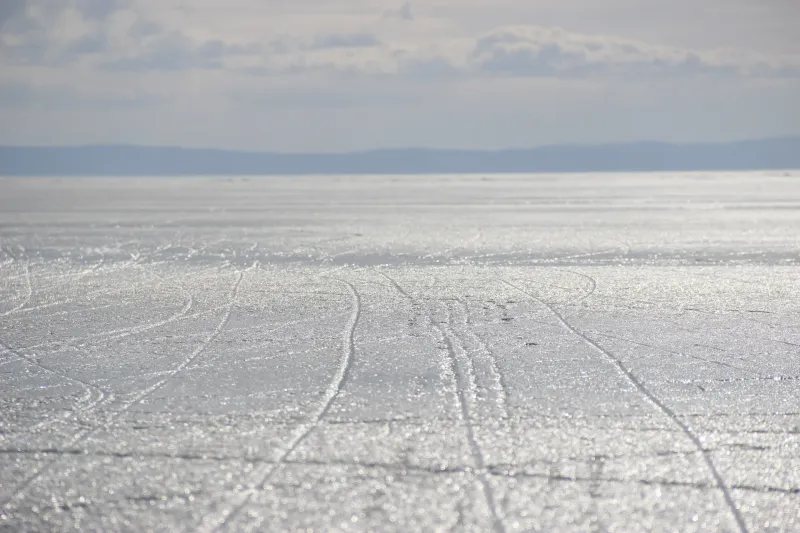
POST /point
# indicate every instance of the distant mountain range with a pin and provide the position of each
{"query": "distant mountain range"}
(113, 160)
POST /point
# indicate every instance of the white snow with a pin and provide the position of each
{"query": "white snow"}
(608, 352)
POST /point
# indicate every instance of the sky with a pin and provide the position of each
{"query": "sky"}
(343, 75)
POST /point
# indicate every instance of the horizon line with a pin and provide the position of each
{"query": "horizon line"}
(650, 142)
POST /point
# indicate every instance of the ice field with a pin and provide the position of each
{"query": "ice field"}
(553, 353)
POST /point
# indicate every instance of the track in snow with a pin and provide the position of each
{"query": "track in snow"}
(515, 353)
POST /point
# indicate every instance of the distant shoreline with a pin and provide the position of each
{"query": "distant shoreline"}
(129, 160)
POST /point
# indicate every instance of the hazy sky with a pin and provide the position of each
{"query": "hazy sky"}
(300, 75)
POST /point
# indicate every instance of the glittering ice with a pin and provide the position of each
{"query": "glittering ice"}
(580, 353)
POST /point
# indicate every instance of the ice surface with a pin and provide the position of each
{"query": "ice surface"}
(609, 352)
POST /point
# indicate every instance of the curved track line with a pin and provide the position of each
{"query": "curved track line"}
(464, 380)
(29, 292)
(500, 386)
(120, 333)
(197, 352)
(639, 385)
(333, 390)
(102, 290)
(70, 278)
(89, 387)
(83, 435)
(589, 292)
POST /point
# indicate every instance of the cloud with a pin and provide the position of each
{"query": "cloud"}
(357, 40)
(554, 52)
(404, 12)
(176, 52)
(395, 71)
(101, 9)
(10, 9)
(16, 94)
(37, 36)
(122, 35)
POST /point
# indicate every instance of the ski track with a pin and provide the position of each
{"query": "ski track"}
(593, 288)
(642, 388)
(334, 389)
(500, 388)
(84, 434)
(87, 386)
(121, 333)
(679, 354)
(69, 278)
(466, 390)
(92, 293)
(28, 291)
(418, 303)
(590, 290)
(146, 263)
(463, 372)
(280, 327)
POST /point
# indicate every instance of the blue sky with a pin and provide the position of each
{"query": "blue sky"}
(332, 75)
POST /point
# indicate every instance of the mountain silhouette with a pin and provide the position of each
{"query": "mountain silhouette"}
(124, 160)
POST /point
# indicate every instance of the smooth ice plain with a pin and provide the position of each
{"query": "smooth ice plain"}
(555, 353)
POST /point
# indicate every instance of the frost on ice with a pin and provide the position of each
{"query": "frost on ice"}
(481, 353)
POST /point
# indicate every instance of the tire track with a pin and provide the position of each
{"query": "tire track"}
(334, 389)
(464, 381)
(640, 386)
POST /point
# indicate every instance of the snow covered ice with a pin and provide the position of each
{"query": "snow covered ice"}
(573, 353)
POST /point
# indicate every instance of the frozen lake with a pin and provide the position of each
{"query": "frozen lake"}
(576, 353)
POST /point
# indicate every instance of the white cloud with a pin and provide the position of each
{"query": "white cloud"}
(554, 52)
(389, 66)
(120, 36)
(356, 40)
(404, 12)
